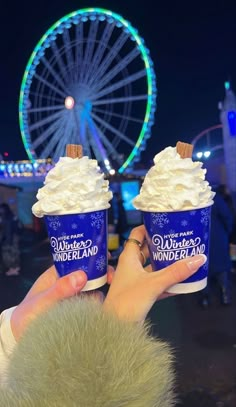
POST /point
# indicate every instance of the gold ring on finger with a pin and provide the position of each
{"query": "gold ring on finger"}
(135, 241)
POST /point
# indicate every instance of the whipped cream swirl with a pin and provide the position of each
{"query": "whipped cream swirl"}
(74, 185)
(174, 184)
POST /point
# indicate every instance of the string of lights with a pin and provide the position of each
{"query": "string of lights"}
(25, 168)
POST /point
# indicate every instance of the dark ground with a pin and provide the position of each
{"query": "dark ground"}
(204, 340)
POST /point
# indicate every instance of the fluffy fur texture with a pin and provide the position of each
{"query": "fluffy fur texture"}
(76, 355)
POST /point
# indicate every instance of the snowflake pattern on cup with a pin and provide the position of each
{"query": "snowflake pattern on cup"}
(206, 236)
(84, 268)
(160, 219)
(205, 218)
(98, 239)
(192, 213)
(97, 219)
(54, 222)
(101, 263)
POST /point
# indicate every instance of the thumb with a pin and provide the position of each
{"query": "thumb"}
(178, 271)
(65, 287)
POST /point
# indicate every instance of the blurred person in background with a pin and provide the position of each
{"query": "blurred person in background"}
(121, 223)
(219, 255)
(10, 227)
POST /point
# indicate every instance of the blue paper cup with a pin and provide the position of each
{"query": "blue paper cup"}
(79, 242)
(172, 236)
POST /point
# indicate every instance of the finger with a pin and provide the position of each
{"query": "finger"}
(45, 281)
(65, 287)
(138, 234)
(145, 250)
(148, 268)
(110, 274)
(178, 272)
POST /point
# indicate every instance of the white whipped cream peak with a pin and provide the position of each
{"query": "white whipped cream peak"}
(74, 185)
(174, 184)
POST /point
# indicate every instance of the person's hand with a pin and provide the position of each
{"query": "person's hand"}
(46, 291)
(134, 289)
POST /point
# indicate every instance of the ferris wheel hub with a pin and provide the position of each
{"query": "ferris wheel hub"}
(69, 102)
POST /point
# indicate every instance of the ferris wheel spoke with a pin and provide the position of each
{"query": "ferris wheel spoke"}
(101, 48)
(121, 84)
(45, 109)
(113, 130)
(48, 132)
(109, 58)
(44, 121)
(89, 50)
(120, 116)
(84, 138)
(93, 143)
(75, 120)
(118, 68)
(94, 147)
(78, 49)
(54, 74)
(98, 145)
(109, 147)
(59, 60)
(50, 85)
(73, 131)
(57, 137)
(60, 148)
(34, 96)
(120, 100)
(81, 130)
(68, 52)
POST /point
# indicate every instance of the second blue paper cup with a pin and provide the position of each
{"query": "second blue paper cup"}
(172, 236)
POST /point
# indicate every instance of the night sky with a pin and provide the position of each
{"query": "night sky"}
(192, 44)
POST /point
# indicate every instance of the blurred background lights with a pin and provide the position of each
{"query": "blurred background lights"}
(232, 122)
(207, 154)
(203, 154)
(25, 168)
(199, 154)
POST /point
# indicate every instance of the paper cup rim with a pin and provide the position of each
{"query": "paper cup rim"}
(180, 210)
(74, 214)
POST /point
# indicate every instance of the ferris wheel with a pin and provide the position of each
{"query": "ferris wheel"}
(89, 81)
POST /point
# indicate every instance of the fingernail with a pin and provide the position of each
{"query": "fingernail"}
(77, 280)
(195, 262)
